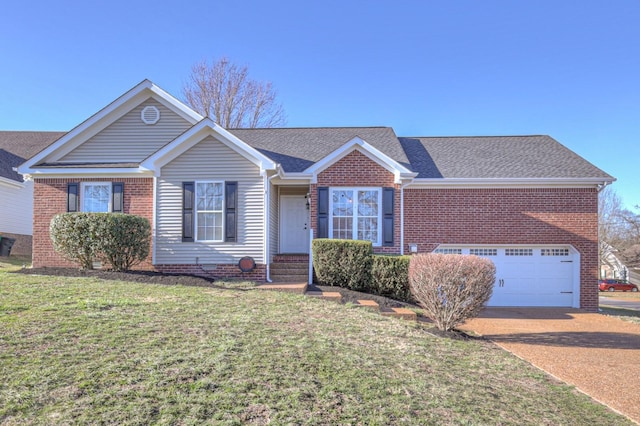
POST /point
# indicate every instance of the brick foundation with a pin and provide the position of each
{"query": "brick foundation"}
(50, 199)
(220, 271)
(509, 216)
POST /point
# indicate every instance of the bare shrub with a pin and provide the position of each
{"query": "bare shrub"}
(451, 287)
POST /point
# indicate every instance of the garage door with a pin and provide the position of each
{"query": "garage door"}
(530, 276)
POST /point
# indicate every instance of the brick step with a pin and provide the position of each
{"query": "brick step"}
(329, 295)
(403, 313)
(287, 268)
(291, 258)
(290, 278)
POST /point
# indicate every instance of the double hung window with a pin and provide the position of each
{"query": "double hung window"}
(355, 214)
(96, 197)
(209, 211)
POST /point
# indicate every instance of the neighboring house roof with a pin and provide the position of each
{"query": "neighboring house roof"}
(296, 149)
(499, 157)
(17, 146)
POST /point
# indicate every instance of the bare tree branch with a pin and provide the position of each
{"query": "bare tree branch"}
(225, 93)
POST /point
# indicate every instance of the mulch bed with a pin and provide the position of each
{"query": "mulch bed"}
(145, 277)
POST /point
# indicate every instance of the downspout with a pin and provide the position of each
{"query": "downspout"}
(402, 217)
(267, 222)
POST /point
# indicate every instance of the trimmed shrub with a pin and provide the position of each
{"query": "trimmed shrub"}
(342, 263)
(75, 236)
(122, 240)
(390, 277)
(451, 287)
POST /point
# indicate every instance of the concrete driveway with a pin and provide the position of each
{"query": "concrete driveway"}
(598, 354)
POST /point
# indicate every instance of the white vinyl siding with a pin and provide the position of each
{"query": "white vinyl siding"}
(17, 219)
(129, 139)
(274, 214)
(209, 160)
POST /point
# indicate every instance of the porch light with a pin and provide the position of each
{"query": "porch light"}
(308, 200)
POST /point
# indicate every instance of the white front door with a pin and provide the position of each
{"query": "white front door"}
(294, 224)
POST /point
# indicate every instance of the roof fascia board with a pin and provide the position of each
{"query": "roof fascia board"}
(367, 150)
(107, 116)
(508, 182)
(86, 172)
(196, 134)
(10, 182)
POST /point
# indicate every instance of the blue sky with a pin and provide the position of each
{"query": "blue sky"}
(567, 68)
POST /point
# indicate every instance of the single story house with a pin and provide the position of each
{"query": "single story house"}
(215, 196)
(16, 194)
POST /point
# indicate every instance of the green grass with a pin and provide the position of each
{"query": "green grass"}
(80, 350)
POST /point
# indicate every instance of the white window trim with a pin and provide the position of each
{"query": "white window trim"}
(355, 190)
(195, 208)
(83, 185)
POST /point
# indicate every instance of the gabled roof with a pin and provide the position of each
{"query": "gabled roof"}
(296, 149)
(16, 147)
(194, 135)
(496, 157)
(107, 115)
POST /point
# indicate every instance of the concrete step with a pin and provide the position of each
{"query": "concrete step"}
(402, 313)
(287, 287)
(329, 295)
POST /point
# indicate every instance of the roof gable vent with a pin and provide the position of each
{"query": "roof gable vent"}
(150, 115)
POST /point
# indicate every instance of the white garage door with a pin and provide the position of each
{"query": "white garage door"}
(530, 276)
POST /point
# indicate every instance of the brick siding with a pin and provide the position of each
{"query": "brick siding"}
(509, 216)
(50, 198)
(357, 170)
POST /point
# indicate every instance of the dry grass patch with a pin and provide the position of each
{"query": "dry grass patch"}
(86, 350)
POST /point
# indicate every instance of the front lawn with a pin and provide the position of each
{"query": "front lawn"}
(86, 350)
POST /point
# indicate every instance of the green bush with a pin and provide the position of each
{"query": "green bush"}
(390, 277)
(342, 263)
(122, 240)
(75, 236)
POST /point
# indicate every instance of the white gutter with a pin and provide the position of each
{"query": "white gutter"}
(402, 217)
(267, 228)
(507, 183)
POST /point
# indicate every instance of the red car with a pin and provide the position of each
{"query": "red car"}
(613, 285)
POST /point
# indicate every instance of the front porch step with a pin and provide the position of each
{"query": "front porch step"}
(289, 278)
(289, 268)
(370, 304)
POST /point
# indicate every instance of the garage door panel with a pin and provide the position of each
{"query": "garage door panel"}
(532, 277)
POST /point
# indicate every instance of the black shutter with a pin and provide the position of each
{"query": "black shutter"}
(117, 193)
(188, 199)
(231, 211)
(72, 197)
(387, 216)
(323, 213)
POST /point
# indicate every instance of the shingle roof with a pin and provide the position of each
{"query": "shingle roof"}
(16, 147)
(298, 148)
(496, 157)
